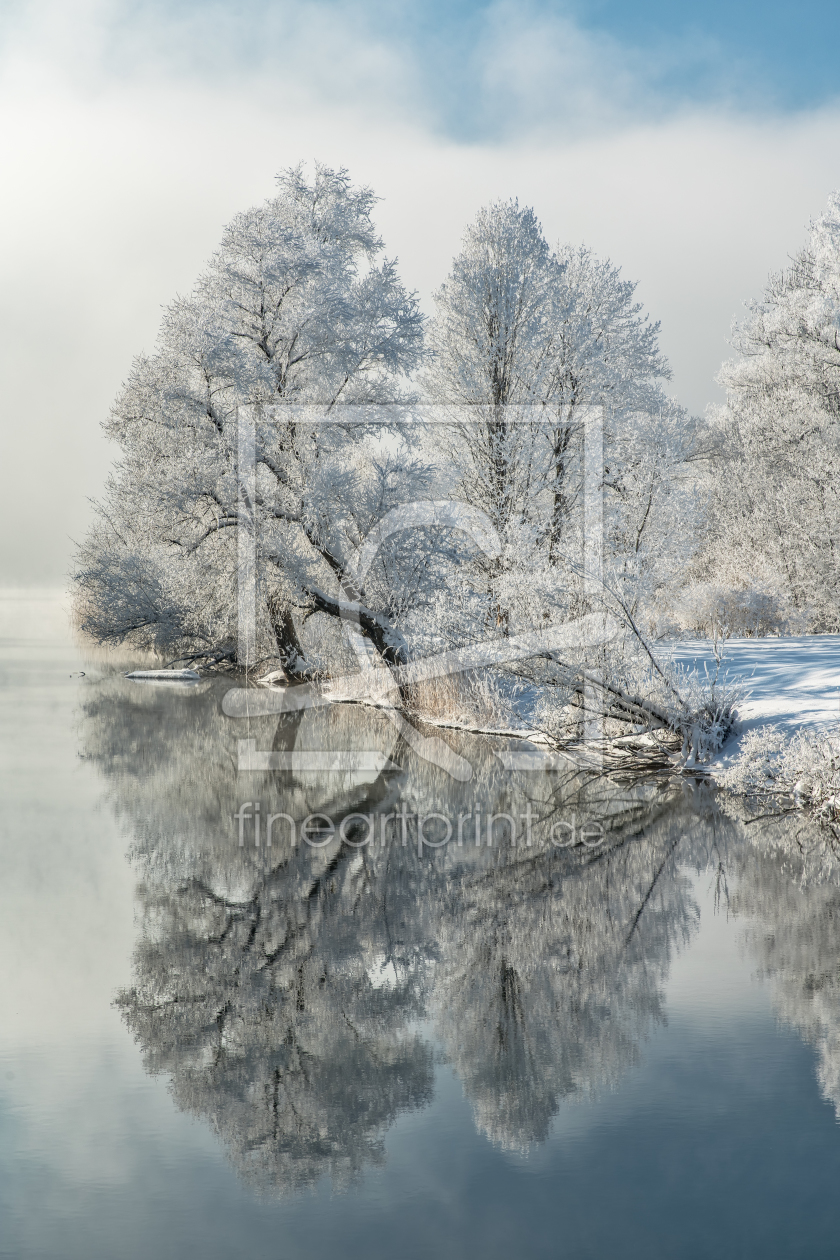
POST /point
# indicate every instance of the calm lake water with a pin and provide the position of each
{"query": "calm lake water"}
(628, 1046)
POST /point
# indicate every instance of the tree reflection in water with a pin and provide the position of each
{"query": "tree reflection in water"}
(287, 991)
(787, 882)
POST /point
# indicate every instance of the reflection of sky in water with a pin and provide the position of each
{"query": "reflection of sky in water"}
(639, 1062)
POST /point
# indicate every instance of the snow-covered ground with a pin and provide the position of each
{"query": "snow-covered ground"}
(791, 682)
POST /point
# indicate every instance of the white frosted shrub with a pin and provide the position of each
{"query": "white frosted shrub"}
(707, 609)
(806, 767)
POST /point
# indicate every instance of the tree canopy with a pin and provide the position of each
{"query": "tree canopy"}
(774, 485)
(296, 309)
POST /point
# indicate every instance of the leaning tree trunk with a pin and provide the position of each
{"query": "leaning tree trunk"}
(289, 647)
(375, 627)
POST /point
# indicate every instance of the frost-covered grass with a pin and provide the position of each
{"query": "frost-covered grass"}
(805, 767)
(688, 711)
(640, 704)
(708, 714)
(480, 699)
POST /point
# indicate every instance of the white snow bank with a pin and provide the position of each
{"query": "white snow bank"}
(793, 683)
(165, 675)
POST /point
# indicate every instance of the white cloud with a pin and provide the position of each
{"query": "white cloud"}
(121, 162)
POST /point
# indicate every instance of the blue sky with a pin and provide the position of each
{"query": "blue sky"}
(658, 56)
(744, 55)
(751, 55)
(689, 144)
(757, 53)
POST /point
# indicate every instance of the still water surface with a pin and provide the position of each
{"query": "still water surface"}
(629, 1047)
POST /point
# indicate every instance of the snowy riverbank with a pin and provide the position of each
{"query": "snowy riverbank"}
(793, 683)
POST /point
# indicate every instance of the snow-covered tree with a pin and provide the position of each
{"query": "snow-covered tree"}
(295, 310)
(603, 352)
(526, 343)
(297, 319)
(488, 347)
(775, 483)
(525, 338)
